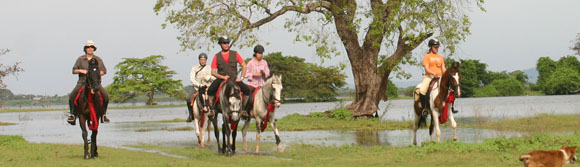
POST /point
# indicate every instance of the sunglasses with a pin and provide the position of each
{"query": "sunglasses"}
(224, 43)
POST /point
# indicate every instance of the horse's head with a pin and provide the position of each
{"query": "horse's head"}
(455, 79)
(277, 87)
(234, 98)
(93, 76)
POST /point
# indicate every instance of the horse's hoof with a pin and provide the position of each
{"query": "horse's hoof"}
(87, 156)
(454, 139)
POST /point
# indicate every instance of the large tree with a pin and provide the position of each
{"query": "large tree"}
(146, 76)
(364, 28)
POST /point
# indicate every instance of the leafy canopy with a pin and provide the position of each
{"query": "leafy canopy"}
(143, 76)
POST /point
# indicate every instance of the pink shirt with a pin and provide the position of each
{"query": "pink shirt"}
(254, 66)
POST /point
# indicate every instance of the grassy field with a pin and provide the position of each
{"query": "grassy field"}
(492, 152)
(543, 123)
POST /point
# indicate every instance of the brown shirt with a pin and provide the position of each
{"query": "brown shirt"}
(83, 64)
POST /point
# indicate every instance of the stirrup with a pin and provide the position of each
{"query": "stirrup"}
(71, 120)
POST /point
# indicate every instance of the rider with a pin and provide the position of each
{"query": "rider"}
(80, 67)
(434, 67)
(224, 66)
(258, 70)
(200, 77)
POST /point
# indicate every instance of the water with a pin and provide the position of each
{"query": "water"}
(51, 126)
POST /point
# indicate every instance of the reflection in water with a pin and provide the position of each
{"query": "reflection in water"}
(367, 138)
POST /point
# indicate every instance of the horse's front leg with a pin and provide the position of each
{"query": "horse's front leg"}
(216, 132)
(273, 124)
(94, 152)
(435, 116)
(258, 123)
(416, 127)
(234, 133)
(244, 133)
(82, 123)
(197, 131)
(453, 125)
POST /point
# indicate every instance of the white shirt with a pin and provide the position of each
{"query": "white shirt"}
(203, 76)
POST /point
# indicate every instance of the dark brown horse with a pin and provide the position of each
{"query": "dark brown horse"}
(449, 83)
(90, 108)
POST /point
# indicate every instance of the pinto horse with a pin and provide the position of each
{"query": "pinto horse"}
(445, 89)
(90, 107)
(265, 99)
(198, 105)
(229, 104)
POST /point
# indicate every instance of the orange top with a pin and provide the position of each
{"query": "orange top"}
(436, 63)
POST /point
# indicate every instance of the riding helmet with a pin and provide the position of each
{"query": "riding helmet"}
(433, 42)
(223, 39)
(202, 55)
(259, 49)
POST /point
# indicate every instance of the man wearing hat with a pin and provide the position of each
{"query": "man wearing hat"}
(80, 67)
(224, 66)
(200, 77)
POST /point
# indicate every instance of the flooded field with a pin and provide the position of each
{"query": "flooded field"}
(127, 125)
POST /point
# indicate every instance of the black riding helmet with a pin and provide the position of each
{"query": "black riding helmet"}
(223, 39)
(259, 49)
(202, 55)
(433, 42)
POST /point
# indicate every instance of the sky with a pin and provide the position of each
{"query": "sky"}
(48, 36)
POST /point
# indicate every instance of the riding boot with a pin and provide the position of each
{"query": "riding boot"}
(71, 117)
(190, 117)
(425, 103)
(245, 106)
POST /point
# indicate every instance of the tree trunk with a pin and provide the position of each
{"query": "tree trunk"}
(150, 98)
(367, 83)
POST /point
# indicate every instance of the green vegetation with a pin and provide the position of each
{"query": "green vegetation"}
(477, 81)
(557, 78)
(307, 81)
(491, 152)
(6, 123)
(146, 76)
(544, 123)
(338, 119)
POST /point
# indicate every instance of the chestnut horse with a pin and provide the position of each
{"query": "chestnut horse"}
(90, 107)
(449, 83)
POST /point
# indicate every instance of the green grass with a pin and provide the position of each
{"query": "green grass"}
(543, 123)
(491, 152)
(6, 123)
(534, 93)
(166, 121)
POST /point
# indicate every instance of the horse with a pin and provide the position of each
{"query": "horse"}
(90, 108)
(198, 105)
(449, 84)
(229, 104)
(262, 111)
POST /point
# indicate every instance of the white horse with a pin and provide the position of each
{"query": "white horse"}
(449, 83)
(267, 95)
(202, 115)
